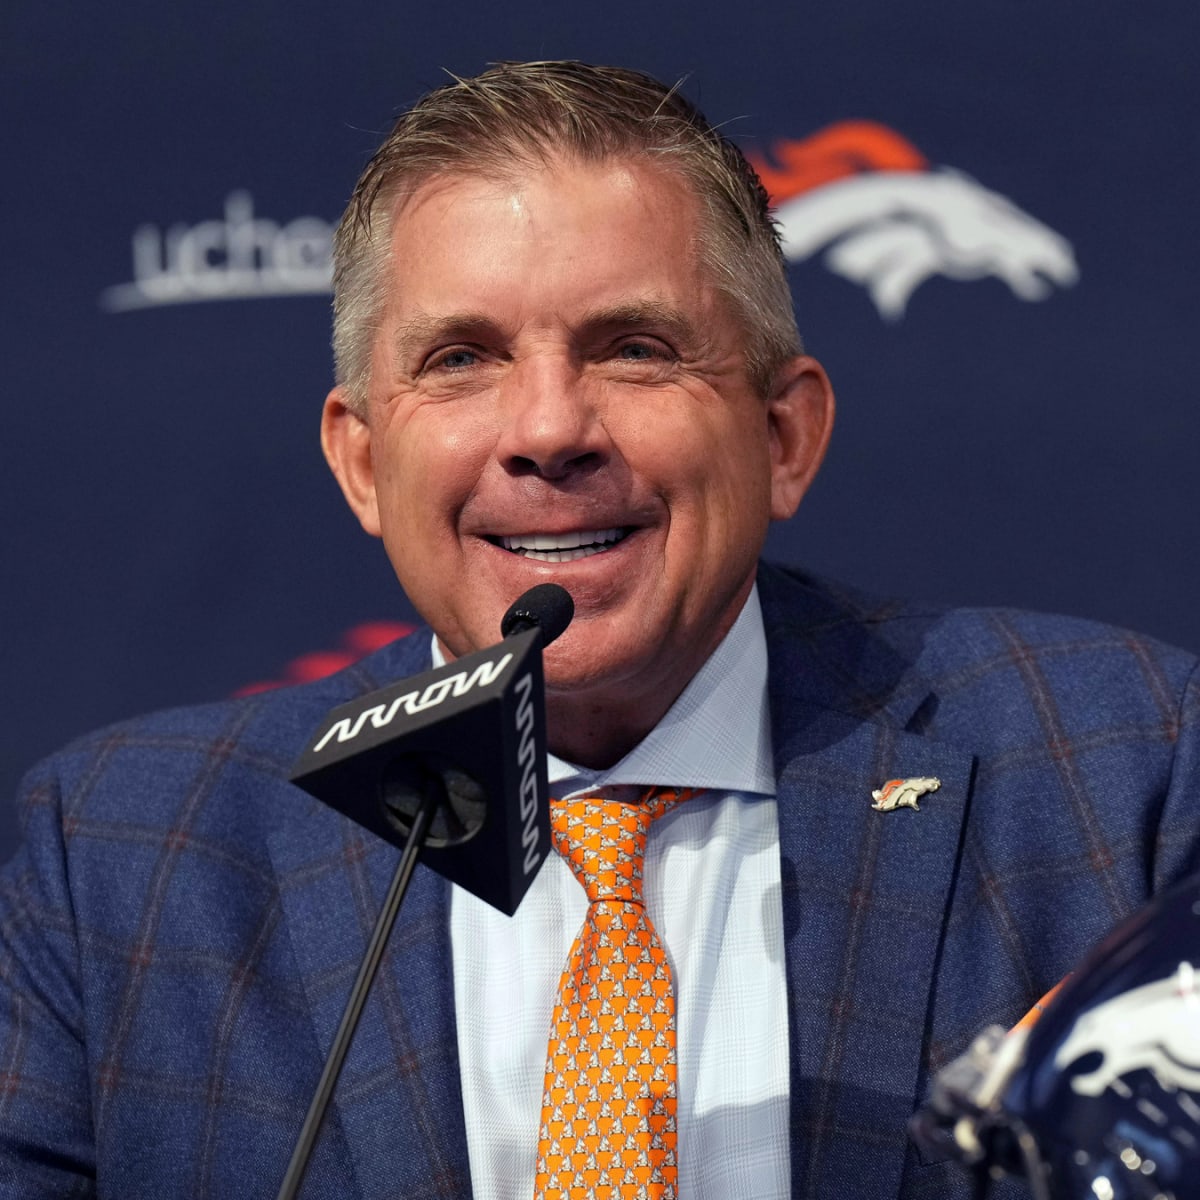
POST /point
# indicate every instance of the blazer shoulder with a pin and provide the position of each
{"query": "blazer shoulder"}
(975, 668)
(1078, 673)
(160, 758)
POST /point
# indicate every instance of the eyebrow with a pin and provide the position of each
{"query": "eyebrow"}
(423, 329)
(647, 315)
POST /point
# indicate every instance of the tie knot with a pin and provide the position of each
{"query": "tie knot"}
(604, 840)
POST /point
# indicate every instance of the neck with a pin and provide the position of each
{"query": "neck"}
(594, 734)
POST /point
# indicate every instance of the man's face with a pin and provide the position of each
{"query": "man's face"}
(559, 394)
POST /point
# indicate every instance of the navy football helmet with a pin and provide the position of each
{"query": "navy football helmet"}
(1100, 1098)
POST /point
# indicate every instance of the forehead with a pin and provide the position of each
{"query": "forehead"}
(557, 170)
(555, 238)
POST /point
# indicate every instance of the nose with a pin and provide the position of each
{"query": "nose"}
(550, 423)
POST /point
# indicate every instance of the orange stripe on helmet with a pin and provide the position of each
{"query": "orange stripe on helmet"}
(1036, 1011)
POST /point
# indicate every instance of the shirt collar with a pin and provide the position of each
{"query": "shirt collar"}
(717, 734)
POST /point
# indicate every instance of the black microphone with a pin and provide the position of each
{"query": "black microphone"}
(547, 607)
(473, 733)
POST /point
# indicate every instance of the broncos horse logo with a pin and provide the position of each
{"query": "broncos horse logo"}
(1155, 1027)
(888, 220)
(903, 793)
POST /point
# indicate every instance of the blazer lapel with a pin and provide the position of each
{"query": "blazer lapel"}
(395, 1126)
(866, 894)
(865, 897)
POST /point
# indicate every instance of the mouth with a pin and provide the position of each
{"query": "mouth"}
(562, 547)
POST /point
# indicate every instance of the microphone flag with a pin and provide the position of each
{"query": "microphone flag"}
(473, 730)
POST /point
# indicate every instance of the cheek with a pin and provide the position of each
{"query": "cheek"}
(428, 468)
(733, 512)
(722, 462)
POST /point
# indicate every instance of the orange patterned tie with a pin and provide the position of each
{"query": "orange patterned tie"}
(608, 1105)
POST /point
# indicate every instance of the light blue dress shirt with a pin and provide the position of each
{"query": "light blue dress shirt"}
(712, 888)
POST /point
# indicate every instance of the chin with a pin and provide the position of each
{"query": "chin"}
(578, 663)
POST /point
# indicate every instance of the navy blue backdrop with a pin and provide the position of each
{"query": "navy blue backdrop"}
(172, 172)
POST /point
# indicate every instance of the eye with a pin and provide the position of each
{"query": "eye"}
(641, 351)
(455, 358)
(451, 358)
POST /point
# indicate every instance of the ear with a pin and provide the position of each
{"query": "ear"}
(346, 440)
(800, 419)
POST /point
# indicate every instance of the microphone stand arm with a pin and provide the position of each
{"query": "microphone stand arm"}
(367, 971)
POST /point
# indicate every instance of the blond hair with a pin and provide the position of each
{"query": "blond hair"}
(516, 117)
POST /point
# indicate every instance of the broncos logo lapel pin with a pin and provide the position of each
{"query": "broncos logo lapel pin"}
(903, 793)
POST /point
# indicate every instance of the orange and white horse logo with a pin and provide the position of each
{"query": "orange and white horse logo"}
(903, 793)
(1155, 1027)
(888, 220)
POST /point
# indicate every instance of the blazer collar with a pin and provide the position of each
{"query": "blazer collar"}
(837, 649)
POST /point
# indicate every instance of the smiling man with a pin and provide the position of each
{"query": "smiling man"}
(566, 352)
(559, 391)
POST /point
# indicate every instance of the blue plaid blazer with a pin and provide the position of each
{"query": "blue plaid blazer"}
(180, 930)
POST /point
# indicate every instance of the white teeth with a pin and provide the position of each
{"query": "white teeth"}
(562, 547)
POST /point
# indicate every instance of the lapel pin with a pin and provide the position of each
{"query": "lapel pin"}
(903, 793)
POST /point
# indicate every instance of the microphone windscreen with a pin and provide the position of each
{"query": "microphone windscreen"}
(548, 606)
